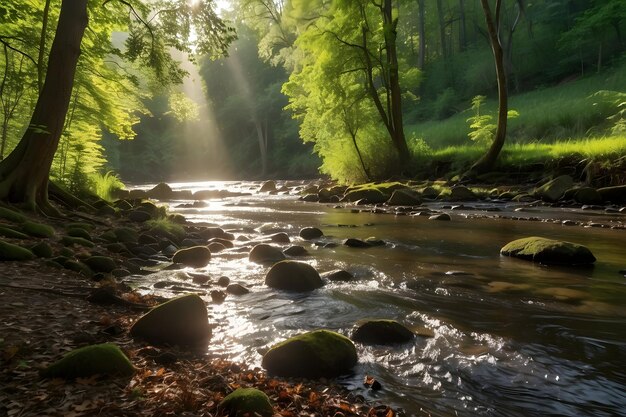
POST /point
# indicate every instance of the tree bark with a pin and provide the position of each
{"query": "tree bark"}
(42, 45)
(24, 174)
(462, 27)
(395, 117)
(442, 29)
(487, 161)
(421, 59)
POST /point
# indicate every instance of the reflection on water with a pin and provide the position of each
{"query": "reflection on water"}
(502, 337)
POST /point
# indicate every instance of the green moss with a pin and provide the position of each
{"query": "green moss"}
(42, 250)
(37, 229)
(163, 227)
(247, 401)
(126, 235)
(101, 263)
(79, 267)
(320, 353)
(10, 233)
(548, 251)
(12, 215)
(78, 241)
(79, 232)
(79, 225)
(11, 252)
(104, 359)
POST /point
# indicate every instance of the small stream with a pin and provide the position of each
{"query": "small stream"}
(497, 336)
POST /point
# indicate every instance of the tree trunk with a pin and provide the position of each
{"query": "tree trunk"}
(262, 137)
(442, 29)
(421, 59)
(487, 161)
(395, 117)
(42, 45)
(24, 174)
(462, 27)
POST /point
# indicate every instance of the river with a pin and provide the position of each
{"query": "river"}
(497, 336)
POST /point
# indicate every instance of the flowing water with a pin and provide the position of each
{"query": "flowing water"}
(498, 336)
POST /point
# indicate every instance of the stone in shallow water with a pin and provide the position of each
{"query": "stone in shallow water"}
(382, 332)
(441, 216)
(548, 251)
(293, 276)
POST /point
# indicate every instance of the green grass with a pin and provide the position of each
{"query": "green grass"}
(104, 185)
(546, 115)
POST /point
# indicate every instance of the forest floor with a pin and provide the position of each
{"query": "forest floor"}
(44, 314)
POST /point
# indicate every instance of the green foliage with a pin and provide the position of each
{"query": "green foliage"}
(482, 126)
(182, 107)
(105, 184)
(616, 99)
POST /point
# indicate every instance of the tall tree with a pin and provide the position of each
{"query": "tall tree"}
(24, 174)
(492, 19)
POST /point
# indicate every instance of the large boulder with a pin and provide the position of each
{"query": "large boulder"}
(103, 359)
(382, 332)
(404, 197)
(462, 193)
(293, 276)
(247, 401)
(548, 251)
(161, 191)
(268, 187)
(366, 196)
(180, 321)
(196, 256)
(316, 354)
(263, 253)
(587, 195)
(11, 252)
(555, 189)
(615, 194)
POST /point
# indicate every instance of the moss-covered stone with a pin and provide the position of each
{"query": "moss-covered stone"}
(382, 332)
(79, 267)
(79, 232)
(429, 192)
(78, 241)
(366, 196)
(548, 251)
(247, 401)
(293, 276)
(126, 235)
(263, 253)
(37, 229)
(102, 359)
(404, 197)
(180, 321)
(11, 252)
(616, 194)
(316, 354)
(12, 215)
(555, 189)
(196, 256)
(462, 193)
(79, 225)
(10, 233)
(100, 263)
(587, 195)
(139, 216)
(42, 250)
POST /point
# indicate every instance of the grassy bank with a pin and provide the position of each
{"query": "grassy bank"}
(567, 110)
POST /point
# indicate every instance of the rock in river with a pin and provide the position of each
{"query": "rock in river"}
(196, 256)
(263, 253)
(548, 251)
(309, 233)
(382, 332)
(180, 321)
(293, 276)
(316, 354)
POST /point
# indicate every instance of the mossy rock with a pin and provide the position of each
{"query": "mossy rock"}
(429, 192)
(404, 197)
(79, 267)
(79, 232)
(126, 235)
(462, 193)
(548, 251)
(12, 234)
(11, 252)
(151, 208)
(555, 189)
(42, 250)
(382, 332)
(180, 321)
(263, 253)
(67, 252)
(316, 354)
(102, 359)
(587, 195)
(37, 229)
(195, 256)
(78, 241)
(309, 233)
(366, 196)
(100, 263)
(293, 276)
(122, 205)
(616, 194)
(247, 401)
(12, 215)
(79, 225)
(139, 216)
